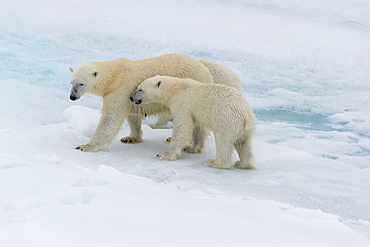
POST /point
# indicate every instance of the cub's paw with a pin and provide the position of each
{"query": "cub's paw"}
(244, 166)
(194, 150)
(88, 148)
(215, 164)
(130, 140)
(167, 156)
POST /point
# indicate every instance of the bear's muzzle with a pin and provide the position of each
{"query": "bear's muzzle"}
(74, 95)
(135, 98)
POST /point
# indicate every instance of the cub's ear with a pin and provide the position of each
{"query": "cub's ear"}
(71, 69)
(159, 83)
(96, 73)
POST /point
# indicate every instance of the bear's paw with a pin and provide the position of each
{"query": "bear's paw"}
(131, 140)
(239, 165)
(215, 164)
(88, 148)
(167, 156)
(196, 149)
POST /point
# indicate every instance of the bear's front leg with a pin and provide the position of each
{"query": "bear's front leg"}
(113, 115)
(107, 129)
(136, 134)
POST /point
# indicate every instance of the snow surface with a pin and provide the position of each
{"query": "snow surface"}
(305, 70)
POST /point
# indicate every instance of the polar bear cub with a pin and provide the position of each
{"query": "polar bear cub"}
(217, 107)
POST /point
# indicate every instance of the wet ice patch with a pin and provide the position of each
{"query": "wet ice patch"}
(302, 120)
(352, 121)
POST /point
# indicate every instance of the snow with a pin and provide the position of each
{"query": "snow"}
(304, 69)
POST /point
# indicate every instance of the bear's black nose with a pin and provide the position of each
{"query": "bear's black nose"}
(132, 99)
(73, 98)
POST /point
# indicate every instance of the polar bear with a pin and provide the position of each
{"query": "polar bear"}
(116, 80)
(220, 108)
(220, 74)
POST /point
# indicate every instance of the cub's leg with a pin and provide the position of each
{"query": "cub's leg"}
(197, 143)
(136, 134)
(245, 152)
(181, 136)
(224, 153)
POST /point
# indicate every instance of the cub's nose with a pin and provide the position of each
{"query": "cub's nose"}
(73, 98)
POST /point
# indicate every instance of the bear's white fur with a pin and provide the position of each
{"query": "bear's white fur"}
(221, 75)
(116, 80)
(220, 108)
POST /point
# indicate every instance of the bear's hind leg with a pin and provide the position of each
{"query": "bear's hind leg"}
(224, 153)
(245, 152)
(136, 134)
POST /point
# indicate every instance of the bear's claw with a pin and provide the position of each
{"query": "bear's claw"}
(194, 150)
(130, 140)
(88, 148)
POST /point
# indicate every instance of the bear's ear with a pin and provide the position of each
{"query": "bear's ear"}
(96, 73)
(71, 69)
(159, 84)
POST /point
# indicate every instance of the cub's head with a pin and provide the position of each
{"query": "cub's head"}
(84, 78)
(149, 91)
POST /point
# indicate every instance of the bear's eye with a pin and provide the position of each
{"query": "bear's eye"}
(81, 84)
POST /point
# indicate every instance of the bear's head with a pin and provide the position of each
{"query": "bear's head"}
(149, 91)
(83, 80)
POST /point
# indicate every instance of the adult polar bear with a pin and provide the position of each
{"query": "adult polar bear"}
(116, 80)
